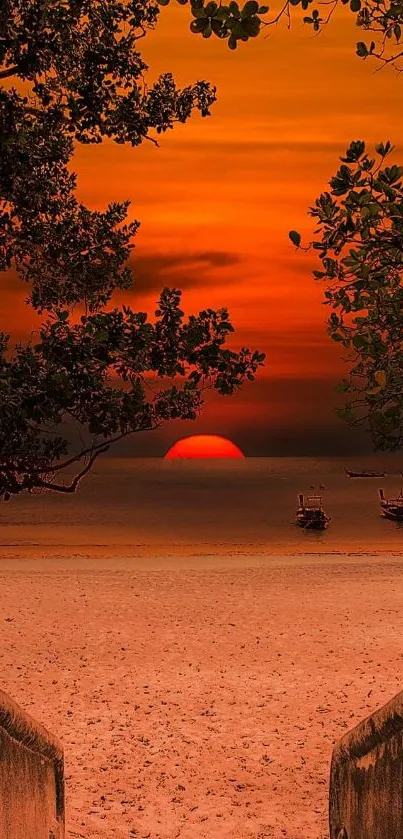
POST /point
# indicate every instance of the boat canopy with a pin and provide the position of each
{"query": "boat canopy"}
(313, 501)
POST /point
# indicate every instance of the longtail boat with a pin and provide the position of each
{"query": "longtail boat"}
(310, 513)
(391, 508)
(365, 473)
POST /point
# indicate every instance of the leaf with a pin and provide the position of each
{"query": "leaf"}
(251, 26)
(250, 8)
(295, 237)
(383, 149)
(198, 25)
(236, 28)
(361, 49)
(219, 28)
(355, 150)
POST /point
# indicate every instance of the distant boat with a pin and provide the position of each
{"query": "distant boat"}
(310, 513)
(391, 508)
(365, 474)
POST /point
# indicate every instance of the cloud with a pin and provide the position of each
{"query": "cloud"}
(250, 146)
(151, 272)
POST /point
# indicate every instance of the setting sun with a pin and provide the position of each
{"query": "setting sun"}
(204, 446)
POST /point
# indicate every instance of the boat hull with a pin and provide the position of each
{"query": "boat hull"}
(310, 513)
(392, 514)
(311, 522)
(365, 474)
(313, 525)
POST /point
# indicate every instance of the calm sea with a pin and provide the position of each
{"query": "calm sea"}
(150, 505)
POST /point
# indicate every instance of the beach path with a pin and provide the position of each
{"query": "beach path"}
(200, 696)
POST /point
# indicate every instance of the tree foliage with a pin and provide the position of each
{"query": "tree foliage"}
(359, 240)
(101, 38)
(86, 81)
(103, 374)
(383, 19)
(72, 73)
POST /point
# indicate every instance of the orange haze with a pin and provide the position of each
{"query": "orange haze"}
(217, 199)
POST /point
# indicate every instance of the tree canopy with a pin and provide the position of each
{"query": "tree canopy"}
(359, 240)
(34, 31)
(71, 72)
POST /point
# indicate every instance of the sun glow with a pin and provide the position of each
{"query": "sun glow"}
(204, 446)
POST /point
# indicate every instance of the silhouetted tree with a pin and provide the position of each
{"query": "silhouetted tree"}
(360, 243)
(75, 25)
(72, 72)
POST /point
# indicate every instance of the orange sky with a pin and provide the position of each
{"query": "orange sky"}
(216, 202)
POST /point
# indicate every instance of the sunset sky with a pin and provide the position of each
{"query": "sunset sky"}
(217, 199)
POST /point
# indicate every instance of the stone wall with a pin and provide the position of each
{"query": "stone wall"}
(31, 777)
(366, 778)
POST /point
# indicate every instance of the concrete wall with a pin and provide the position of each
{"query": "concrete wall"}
(31, 777)
(366, 778)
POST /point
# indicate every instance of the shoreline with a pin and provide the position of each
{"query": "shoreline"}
(102, 557)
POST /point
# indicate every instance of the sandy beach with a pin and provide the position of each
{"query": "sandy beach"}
(200, 696)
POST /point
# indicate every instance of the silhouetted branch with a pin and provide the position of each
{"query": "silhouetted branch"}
(74, 484)
(11, 71)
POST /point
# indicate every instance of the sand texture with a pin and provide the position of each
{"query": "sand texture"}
(200, 698)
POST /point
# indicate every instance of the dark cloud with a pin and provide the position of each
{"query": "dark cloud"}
(295, 417)
(151, 272)
(314, 440)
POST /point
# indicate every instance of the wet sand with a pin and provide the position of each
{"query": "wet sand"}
(200, 696)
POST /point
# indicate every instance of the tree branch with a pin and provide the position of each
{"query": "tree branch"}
(74, 484)
(11, 71)
(79, 456)
(90, 450)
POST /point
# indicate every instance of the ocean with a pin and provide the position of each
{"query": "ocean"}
(206, 507)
